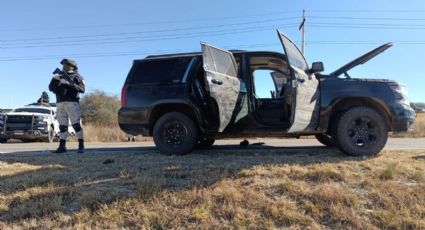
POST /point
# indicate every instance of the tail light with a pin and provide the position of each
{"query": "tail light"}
(123, 96)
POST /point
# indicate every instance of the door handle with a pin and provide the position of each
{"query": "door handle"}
(217, 82)
(301, 80)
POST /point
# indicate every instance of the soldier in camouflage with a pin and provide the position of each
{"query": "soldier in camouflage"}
(67, 85)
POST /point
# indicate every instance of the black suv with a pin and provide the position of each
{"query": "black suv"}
(189, 100)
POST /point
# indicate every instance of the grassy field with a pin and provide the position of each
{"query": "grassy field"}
(265, 188)
(94, 133)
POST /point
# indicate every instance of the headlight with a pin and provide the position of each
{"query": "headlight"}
(401, 92)
(40, 119)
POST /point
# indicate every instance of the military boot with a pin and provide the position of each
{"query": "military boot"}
(62, 147)
(80, 145)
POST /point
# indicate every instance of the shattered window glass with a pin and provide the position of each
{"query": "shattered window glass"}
(220, 62)
(294, 54)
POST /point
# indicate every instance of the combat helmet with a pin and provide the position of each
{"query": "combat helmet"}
(70, 62)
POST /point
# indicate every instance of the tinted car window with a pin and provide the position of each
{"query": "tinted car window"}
(159, 71)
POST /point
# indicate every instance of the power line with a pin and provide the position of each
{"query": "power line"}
(150, 31)
(287, 12)
(150, 38)
(368, 24)
(43, 42)
(19, 41)
(230, 31)
(138, 53)
(198, 31)
(419, 42)
(370, 11)
(382, 27)
(367, 18)
(156, 22)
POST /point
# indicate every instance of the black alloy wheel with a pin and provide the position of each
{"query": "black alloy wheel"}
(175, 133)
(361, 131)
(50, 136)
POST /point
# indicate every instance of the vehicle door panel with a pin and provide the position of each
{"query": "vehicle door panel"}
(305, 115)
(222, 78)
(305, 90)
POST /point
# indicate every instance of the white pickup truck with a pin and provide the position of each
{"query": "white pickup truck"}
(31, 122)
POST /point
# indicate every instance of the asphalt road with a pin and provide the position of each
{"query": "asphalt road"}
(392, 144)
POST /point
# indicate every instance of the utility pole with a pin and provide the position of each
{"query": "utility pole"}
(302, 28)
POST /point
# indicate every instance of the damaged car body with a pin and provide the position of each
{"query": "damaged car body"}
(189, 100)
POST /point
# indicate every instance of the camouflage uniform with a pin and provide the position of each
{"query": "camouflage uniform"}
(67, 85)
(69, 111)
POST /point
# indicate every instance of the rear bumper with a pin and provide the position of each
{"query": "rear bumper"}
(134, 121)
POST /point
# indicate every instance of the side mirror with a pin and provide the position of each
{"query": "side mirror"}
(317, 67)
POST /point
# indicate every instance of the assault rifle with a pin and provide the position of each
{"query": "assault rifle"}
(64, 75)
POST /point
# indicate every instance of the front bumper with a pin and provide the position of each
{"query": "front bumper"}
(24, 134)
(24, 130)
(134, 121)
(404, 119)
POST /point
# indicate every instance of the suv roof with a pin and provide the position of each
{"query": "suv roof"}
(176, 55)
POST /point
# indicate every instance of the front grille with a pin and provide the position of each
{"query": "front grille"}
(19, 122)
(19, 119)
(12, 127)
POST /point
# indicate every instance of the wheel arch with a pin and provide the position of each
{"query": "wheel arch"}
(343, 104)
(162, 109)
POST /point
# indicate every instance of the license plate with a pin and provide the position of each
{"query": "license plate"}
(19, 132)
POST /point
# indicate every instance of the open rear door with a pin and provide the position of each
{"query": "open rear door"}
(222, 76)
(305, 88)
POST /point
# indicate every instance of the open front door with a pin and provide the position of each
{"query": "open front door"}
(305, 90)
(222, 76)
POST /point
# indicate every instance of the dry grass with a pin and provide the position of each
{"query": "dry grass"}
(94, 133)
(261, 188)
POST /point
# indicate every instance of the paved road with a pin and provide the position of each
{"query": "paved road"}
(392, 144)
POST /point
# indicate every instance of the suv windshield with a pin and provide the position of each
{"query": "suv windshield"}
(32, 110)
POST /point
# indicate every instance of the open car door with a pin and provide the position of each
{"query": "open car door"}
(305, 90)
(222, 77)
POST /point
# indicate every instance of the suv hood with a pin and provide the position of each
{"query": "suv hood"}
(361, 60)
(27, 114)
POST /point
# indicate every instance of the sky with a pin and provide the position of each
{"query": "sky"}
(104, 37)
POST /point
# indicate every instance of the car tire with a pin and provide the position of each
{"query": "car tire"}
(51, 136)
(175, 134)
(361, 131)
(325, 139)
(205, 142)
(3, 140)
